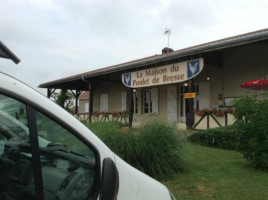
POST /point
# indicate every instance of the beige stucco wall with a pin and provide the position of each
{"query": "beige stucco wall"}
(242, 64)
(114, 91)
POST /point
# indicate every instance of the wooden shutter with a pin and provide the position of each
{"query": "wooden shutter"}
(104, 102)
(154, 93)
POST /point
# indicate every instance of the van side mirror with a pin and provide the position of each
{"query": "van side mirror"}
(109, 180)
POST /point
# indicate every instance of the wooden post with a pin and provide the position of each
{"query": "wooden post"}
(226, 118)
(90, 95)
(50, 92)
(131, 108)
(207, 121)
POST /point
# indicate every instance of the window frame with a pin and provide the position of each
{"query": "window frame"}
(135, 105)
(228, 101)
(153, 103)
(33, 135)
(149, 102)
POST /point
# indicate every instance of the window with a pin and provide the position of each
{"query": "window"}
(104, 102)
(229, 101)
(67, 166)
(147, 101)
(150, 101)
(16, 169)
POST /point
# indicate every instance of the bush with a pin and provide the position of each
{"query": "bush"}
(223, 137)
(252, 121)
(154, 149)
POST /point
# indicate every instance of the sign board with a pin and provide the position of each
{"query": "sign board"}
(189, 95)
(167, 74)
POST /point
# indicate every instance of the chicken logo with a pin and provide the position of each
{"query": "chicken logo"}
(127, 79)
(192, 68)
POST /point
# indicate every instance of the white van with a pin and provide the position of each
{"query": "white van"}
(45, 153)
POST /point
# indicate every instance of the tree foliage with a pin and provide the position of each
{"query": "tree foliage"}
(252, 124)
(63, 99)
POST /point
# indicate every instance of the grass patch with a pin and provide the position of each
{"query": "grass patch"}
(218, 174)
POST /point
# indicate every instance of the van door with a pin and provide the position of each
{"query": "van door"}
(42, 159)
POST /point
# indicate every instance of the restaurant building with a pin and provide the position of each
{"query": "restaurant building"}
(173, 85)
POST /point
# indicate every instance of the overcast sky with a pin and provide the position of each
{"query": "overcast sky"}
(59, 38)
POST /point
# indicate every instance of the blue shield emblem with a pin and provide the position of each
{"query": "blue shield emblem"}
(192, 68)
(127, 79)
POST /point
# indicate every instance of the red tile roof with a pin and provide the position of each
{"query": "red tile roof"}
(84, 95)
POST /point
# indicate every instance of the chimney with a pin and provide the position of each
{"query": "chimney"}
(167, 50)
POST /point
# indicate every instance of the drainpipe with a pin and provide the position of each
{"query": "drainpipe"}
(89, 97)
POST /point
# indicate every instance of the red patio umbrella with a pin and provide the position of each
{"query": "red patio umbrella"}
(257, 84)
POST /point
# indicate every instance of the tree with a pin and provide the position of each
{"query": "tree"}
(252, 120)
(64, 99)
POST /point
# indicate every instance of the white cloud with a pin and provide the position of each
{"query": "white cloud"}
(59, 38)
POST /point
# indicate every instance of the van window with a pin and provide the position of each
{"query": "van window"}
(16, 171)
(68, 165)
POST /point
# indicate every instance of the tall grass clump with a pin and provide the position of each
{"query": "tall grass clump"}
(111, 134)
(159, 150)
(154, 149)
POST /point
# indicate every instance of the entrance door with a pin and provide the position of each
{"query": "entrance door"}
(172, 103)
(201, 101)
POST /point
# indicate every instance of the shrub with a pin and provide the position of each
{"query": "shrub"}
(252, 120)
(154, 149)
(223, 137)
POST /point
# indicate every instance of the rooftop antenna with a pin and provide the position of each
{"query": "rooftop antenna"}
(168, 33)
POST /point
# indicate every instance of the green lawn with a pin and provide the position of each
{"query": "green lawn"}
(217, 174)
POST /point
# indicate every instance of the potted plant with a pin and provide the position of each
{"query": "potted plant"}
(95, 113)
(200, 112)
(218, 112)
